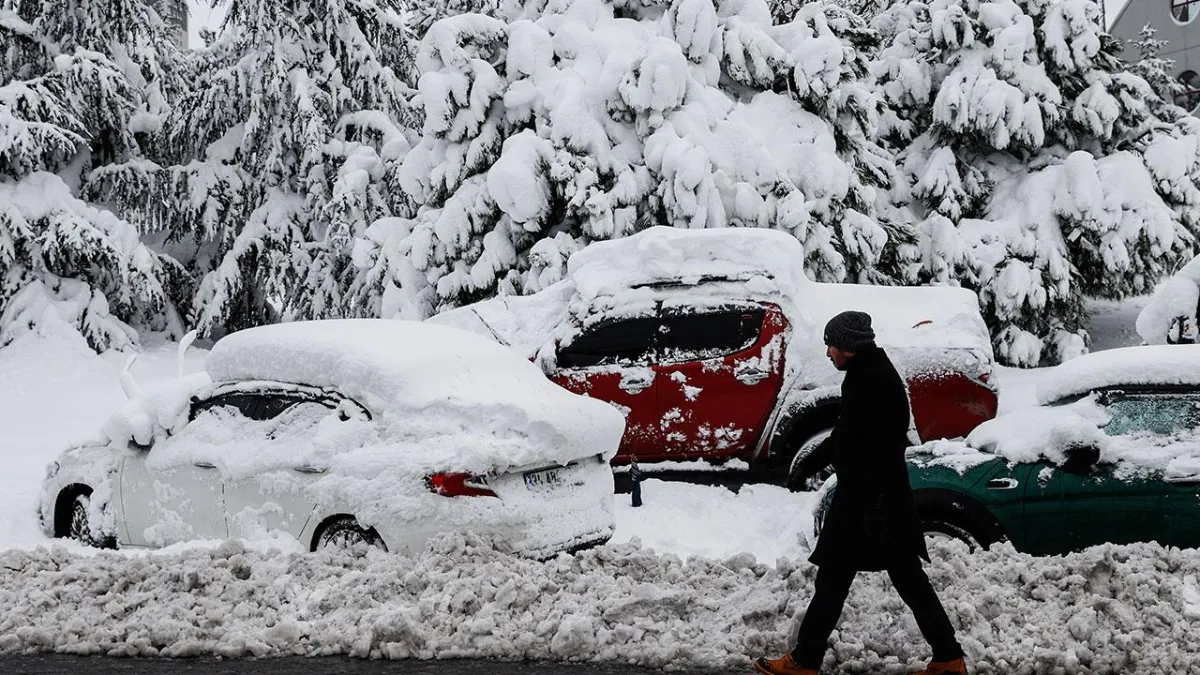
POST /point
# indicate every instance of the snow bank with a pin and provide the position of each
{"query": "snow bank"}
(1145, 365)
(1034, 434)
(1109, 609)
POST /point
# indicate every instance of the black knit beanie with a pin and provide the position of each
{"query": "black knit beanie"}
(850, 331)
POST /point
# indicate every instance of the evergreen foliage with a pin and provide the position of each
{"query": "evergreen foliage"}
(560, 124)
(1031, 156)
(82, 79)
(277, 157)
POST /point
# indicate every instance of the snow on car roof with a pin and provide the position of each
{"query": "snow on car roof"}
(1140, 366)
(390, 363)
(447, 382)
(705, 268)
(768, 261)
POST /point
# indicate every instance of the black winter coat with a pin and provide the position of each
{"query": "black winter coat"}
(872, 522)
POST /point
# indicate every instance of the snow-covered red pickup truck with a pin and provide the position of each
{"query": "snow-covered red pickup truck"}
(710, 342)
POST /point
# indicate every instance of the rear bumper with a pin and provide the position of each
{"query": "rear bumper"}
(950, 405)
(522, 520)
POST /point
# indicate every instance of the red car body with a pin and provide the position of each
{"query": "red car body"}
(709, 384)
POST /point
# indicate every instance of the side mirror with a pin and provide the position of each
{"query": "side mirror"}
(1081, 459)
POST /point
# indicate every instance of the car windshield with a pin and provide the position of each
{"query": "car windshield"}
(1163, 413)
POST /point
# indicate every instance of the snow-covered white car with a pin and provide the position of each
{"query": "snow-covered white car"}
(346, 431)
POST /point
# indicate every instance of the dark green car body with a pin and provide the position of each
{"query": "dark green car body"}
(1043, 508)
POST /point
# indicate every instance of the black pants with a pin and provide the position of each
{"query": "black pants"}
(832, 588)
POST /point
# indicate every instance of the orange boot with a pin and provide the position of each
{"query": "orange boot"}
(956, 667)
(784, 665)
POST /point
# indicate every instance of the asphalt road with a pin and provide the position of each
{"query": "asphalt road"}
(57, 664)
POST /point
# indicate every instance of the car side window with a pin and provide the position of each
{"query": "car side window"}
(1156, 413)
(246, 404)
(695, 337)
(271, 407)
(622, 342)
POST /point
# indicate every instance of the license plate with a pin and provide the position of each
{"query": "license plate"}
(543, 479)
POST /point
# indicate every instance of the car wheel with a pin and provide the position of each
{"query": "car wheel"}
(345, 533)
(79, 526)
(941, 529)
(798, 483)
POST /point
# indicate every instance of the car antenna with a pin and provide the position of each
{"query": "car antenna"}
(183, 347)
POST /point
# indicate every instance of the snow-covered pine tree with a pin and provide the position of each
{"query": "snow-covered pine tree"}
(80, 78)
(277, 157)
(422, 14)
(1025, 145)
(784, 11)
(564, 123)
(1154, 69)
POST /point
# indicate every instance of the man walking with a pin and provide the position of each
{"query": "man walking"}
(872, 523)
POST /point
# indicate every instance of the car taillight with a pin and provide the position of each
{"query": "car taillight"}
(459, 485)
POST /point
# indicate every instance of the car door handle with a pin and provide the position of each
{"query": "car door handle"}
(634, 386)
(309, 469)
(1002, 484)
(204, 465)
(751, 375)
(635, 383)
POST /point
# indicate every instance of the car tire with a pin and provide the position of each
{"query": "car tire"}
(79, 526)
(936, 528)
(345, 533)
(796, 482)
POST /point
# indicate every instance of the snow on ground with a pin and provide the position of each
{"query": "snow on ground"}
(57, 391)
(1113, 323)
(697, 577)
(1107, 610)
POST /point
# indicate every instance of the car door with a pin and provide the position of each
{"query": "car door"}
(1072, 510)
(612, 362)
(719, 374)
(1161, 420)
(270, 494)
(173, 491)
(1183, 501)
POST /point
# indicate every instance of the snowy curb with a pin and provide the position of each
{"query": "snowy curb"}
(1112, 609)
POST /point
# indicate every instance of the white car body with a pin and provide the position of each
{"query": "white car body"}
(294, 426)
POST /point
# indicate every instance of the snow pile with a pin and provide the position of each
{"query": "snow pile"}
(1035, 434)
(157, 411)
(441, 387)
(1176, 298)
(954, 454)
(1128, 366)
(769, 263)
(1108, 609)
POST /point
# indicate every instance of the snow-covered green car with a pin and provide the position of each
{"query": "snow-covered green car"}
(1111, 453)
